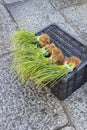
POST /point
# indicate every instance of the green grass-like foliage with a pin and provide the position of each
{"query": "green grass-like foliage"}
(22, 37)
(30, 63)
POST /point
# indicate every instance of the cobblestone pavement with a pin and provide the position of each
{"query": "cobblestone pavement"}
(22, 107)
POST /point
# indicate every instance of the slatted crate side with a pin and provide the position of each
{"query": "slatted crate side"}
(70, 46)
(60, 90)
(60, 42)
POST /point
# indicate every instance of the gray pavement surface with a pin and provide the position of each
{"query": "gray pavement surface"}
(78, 20)
(68, 128)
(13, 1)
(6, 28)
(36, 15)
(60, 4)
(76, 105)
(22, 107)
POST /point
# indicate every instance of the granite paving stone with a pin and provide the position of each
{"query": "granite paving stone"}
(60, 4)
(76, 105)
(68, 128)
(36, 15)
(22, 106)
(7, 26)
(13, 1)
(77, 17)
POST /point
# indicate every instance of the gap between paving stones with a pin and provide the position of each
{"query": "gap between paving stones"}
(63, 24)
(69, 115)
(16, 85)
(66, 110)
(13, 1)
(59, 127)
(61, 4)
(80, 37)
(37, 15)
(76, 17)
(7, 80)
(8, 53)
(6, 28)
(11, 16)
(68, 128)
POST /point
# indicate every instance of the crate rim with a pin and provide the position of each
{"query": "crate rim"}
(75, 70)
(65, 31)
(76, 38)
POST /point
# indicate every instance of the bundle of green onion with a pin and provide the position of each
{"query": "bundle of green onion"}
(30, 63)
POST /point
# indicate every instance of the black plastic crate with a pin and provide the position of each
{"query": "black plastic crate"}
(70, 47)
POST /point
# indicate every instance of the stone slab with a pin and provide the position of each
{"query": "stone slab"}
(13, 1)
(68, 128)
(34, 18)
(77, 17)
(7, 26)
(60, 4)
(23, 107)
(36, 15)
(76, 106)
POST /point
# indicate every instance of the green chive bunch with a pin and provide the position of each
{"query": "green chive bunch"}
(30, 63)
